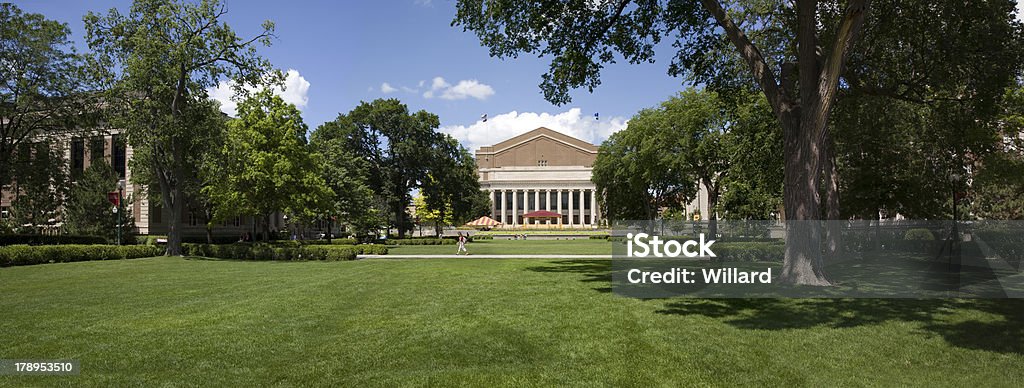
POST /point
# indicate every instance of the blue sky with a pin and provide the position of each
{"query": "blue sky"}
(342, 53)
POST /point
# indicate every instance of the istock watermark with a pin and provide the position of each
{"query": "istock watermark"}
(856, 259)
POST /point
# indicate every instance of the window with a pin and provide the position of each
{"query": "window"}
(542, 163)
(96, 146)
(192, 219)
(77, 157)
(119, 155)
(156, 214)
(4, 213)
(237, 221)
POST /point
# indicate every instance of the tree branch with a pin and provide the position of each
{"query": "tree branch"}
(764, 76)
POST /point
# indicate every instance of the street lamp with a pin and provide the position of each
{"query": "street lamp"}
(120, 214)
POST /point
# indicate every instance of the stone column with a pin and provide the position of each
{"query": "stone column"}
(504, 219)
(515, 207)
(547, 199)
(597, 210)
(572, 193)
(537, 199)
(559, 205)
(494, 203)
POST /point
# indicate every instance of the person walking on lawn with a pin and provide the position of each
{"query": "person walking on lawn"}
(462, 244)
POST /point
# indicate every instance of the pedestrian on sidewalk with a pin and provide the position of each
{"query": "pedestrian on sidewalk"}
(462, 244)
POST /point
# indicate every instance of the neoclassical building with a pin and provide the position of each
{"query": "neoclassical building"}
(540, 179)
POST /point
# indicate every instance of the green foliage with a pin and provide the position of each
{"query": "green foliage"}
(88, 211)
(44, 239)
(40, 187)
(260, 252)
(398, 148)
(29, 255)
(268, 165)
(750, 251)
(656, 162)
(42, 85)
(346, 174)
(452, 186)
(753, 184)
(919, 234)
(167, 53)
(422, 241)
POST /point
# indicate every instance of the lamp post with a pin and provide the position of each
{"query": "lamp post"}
(117, 208)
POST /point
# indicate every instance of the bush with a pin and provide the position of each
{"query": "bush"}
(749, 251)
(919, 234)
(600, 237)
(279, 251)
(423, 241)
(39, 239)
(28, 255)
(480, 237)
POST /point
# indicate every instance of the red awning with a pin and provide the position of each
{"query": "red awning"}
(542, 214)
(483, 221)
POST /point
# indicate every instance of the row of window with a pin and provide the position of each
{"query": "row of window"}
(97, 147)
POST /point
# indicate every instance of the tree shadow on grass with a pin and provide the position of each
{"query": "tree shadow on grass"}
(1003, 332)
(592, 271)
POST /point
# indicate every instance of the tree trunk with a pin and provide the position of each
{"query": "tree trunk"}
(712, 203)
(330, 229)
(172, 200)
(803, 262)
(833, 243)
(266, 228)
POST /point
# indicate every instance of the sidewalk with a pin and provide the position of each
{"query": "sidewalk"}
(360, 257)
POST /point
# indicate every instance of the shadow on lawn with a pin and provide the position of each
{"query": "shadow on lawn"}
(592, 271)
(1002, 333)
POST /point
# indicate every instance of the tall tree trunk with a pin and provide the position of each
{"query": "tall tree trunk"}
(803, 263)
(712, 204)
(330, 229)
(833, 241)
(266, 228)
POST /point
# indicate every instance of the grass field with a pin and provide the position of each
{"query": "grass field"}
(511, 247)
(473, 321)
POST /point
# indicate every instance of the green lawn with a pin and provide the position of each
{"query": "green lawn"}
(475, 321)
(511, 247)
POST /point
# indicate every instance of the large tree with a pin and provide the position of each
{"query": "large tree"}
(794, 52)
(268, 165)
(40, 186)
(452, 186)
(167, 53)
(346, 174)
(644, 169)
(42, 82)
(397, 146)
(88, 211)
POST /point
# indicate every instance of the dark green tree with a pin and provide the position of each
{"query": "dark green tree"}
(397, 146)
(41, 83)
(346, 174)
(88, 212)
(268, 167)
(167, 53)
(452, 184)
(40, 186)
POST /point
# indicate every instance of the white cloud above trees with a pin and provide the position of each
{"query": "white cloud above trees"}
(294, 91)
(467, 88)
(506, 125)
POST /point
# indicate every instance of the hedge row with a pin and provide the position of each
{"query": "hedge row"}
(283, 253)
(28, 255)
(422, 241)
(39, 239)
(749, 251)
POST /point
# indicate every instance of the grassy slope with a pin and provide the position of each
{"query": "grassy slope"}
(471, 321)
(511, 247)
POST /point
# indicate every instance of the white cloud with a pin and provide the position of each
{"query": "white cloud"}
(386, 88)
(507, 125)
(424, 3)
(294, 91)
(462, 90)
(1020, 10)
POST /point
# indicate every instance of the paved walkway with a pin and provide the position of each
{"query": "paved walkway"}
(483, 256)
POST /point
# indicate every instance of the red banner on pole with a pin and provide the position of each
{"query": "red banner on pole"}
(114, 198)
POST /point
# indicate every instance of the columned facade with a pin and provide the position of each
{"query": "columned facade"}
(541, 170)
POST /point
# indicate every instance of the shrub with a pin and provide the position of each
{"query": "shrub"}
(28, 255)
(279, 251)
(39, 239)
(919, 234)
(600, 237)
(477, 237)
(423, 241)
(749, 251)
